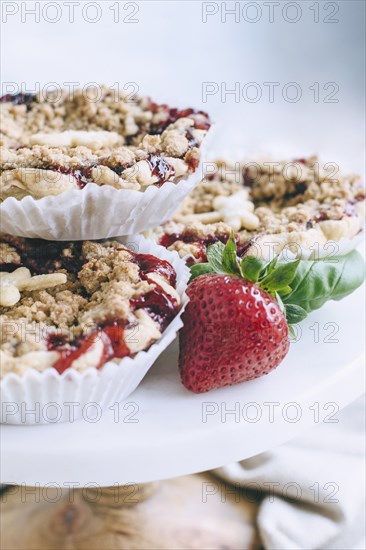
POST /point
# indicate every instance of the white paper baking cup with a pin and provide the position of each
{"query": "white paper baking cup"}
(97, 212)
(49, 397)
(316, 251)
(333, 248)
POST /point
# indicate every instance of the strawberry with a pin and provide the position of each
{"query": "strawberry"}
(242, 310)
(235, 326)
(233, 331)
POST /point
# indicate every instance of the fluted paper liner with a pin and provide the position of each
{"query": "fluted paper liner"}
(317, 251)
(64, 397)
(97, 212)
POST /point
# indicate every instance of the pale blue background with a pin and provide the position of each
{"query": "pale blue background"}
(170, 52)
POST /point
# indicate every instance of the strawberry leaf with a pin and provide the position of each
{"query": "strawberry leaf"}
(214, 257)
(280, 277)
(271, 265)
(200, 269)
(285, 291)
(280, 303)
(294, 313)
(299, 286)
(292, 332)
(230, 262)
(251, 268)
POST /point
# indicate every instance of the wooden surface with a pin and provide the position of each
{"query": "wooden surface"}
(191, 512)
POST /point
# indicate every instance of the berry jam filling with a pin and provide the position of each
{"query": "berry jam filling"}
(201, 119)
(42, 257)
(192, 141)
(350, 210)
(192, 163)
(70, 354)
(161, 169)
(48, 256)
(161, 307)
(202, 244)
(168, 240)
(211, 176)
(321, 217)
(360, 196)
(150, 264)
(18, 99)
(82, 175)
(189, 237)
(116, 332)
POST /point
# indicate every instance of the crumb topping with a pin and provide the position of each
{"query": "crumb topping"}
(107, 140)
(92, 290)
(291, 199)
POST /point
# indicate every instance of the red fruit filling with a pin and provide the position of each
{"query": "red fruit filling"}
(83, 175)
(148, 264)
(160, 306)
(189, 237)
(47, 256)
(82, 346)
(18, 99)
(160, 168)
(201, 119)
(168, 239)
(41, 256)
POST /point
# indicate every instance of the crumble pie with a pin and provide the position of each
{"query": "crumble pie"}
(56, 142)
(294, 202)
(79, 304)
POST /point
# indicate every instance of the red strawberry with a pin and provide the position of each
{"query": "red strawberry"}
(233, 331)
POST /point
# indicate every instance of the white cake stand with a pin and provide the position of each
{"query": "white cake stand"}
(164, 431)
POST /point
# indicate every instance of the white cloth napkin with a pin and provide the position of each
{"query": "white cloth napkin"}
(323, 474)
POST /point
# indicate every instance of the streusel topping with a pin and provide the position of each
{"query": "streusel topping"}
(294, 201)
(104, 138)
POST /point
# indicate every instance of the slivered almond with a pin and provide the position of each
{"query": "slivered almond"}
(74, 138)
(204, 217)
(9, 295)
(20, 274)
(12, 283)
(41, 282)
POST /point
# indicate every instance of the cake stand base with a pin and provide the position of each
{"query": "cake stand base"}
(190, 512)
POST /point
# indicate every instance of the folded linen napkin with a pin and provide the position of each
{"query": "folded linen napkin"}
(313, 487)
